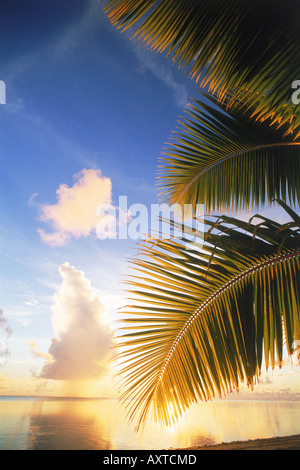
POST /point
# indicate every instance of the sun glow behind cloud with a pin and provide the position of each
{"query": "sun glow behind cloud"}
(67, 56)
(81, 351)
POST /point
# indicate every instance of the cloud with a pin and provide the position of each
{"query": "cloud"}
(74, 214)
(35, 352)
(148, 61)
(3, 322)
(54, 239)
(31, 199)
(4, 352)
(4, 327)
(74, 33)
(81, 349)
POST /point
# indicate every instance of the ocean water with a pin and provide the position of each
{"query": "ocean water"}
(94, 424)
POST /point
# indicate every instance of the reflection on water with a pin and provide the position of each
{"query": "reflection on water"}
(45, 423)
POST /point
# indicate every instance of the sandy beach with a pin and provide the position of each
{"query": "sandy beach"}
(275, 443)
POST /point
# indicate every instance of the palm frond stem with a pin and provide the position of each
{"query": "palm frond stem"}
(248, 272)
(232, 155)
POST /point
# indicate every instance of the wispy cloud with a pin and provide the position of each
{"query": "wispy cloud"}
(5, 333)
(34, 350)
(31, 199)
(152, 62)
(72, 35)
(4, 326)
(66, 40)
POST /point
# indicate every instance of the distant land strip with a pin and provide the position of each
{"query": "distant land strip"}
(273, 443)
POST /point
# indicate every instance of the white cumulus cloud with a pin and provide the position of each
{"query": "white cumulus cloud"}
(82, 348)
(74, 214)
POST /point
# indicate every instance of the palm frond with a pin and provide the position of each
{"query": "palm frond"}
(202, 320)
(221, 157)
(250, 46)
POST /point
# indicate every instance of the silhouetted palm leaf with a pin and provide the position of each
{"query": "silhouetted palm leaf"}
(248, 47)
(202, 319)
(221, 157)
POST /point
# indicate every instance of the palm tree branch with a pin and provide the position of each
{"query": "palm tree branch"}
(252, 52)
(240, 277)
(201, 341)
(236, 154)
(221, 157)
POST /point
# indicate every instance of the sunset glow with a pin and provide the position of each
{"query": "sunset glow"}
(85, 114)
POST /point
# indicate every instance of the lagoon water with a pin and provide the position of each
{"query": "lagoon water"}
(94, 424)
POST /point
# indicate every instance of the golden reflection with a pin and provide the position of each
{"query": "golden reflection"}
(100, 424)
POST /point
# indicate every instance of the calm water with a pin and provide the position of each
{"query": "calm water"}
(75, 424)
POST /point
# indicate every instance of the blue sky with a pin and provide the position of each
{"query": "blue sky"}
(79, 96)
(84, 106)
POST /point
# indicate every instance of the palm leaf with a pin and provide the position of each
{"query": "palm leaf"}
(248, 46)
(203, 320)
(219, 156)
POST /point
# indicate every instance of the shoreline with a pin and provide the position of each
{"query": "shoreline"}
(273, 443)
